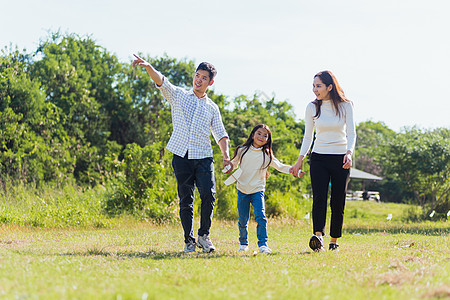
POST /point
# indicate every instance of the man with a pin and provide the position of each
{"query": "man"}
(194, 118)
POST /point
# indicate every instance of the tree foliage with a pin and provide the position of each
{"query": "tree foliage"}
(370, 136)
(420, 161)
(414, 164)
(34, 146)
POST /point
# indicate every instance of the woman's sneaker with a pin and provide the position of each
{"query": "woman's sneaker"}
(265, 249)
(333, 247)
(243, 248)
(189, 247)
(316, 243)
(205, 243)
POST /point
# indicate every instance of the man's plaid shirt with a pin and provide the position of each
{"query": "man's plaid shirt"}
(193, 122)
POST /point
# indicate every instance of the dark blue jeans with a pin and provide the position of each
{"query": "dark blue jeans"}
(198, 172)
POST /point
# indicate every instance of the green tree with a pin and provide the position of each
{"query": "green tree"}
(420, 161)
(77, 77)
(33, 146)
(370, 136)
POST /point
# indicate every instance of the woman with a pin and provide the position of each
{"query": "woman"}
(331, 114)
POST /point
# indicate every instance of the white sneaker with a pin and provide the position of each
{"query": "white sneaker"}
(205, 243)
(243, 248)
(265, 249)
(189, 247)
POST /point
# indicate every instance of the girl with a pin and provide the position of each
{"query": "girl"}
(254, 158)
(331, 114)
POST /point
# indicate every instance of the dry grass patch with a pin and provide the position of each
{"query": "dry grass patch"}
(442, 292)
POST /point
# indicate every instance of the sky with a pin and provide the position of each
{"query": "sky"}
(391, 57)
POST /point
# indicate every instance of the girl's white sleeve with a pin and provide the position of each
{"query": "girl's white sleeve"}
(280, 166)
(309, 129)
(236, 161)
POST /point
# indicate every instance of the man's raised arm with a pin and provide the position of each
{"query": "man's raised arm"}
(154, 74)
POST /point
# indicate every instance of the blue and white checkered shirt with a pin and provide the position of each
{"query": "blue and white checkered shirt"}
(193, 122)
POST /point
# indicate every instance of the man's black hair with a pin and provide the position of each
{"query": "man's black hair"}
(208, 67)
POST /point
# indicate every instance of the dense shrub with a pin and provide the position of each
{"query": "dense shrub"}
(146, 186)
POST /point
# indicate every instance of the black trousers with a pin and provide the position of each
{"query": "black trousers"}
(326, 168)
(201, 173)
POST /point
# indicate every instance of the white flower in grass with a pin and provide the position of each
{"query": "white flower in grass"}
(306, 217)
(432, 213)
(389, 217)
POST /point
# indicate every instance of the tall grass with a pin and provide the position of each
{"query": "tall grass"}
(74, 206)
(49, 206)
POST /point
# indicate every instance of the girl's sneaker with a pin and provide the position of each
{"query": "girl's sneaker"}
(243, 248)
(264, 249)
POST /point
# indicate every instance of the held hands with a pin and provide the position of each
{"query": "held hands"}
(347, 163)
(296, 170)
(227, 166)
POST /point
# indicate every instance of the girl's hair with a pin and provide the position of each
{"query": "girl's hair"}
(336, 93)
(266, 148)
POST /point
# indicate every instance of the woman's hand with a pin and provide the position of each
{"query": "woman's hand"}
(347, 160)
(296, 169)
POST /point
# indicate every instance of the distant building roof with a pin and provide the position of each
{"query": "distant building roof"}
(358, 174)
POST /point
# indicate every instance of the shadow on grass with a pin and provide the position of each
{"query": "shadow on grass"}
(158, 255)
(151, 254)
(407, 229)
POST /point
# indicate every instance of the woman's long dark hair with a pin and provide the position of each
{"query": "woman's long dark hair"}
(336, 93)
(266, 148)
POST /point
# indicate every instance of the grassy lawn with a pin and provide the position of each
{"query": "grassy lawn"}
(132, 260)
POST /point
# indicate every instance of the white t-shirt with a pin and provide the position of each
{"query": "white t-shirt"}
(253, 176)
(334, 134)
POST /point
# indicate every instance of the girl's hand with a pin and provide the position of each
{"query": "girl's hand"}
(226, 163)
(347, 160)
(294, 170)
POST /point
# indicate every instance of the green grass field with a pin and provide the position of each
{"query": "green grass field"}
(136, 260)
